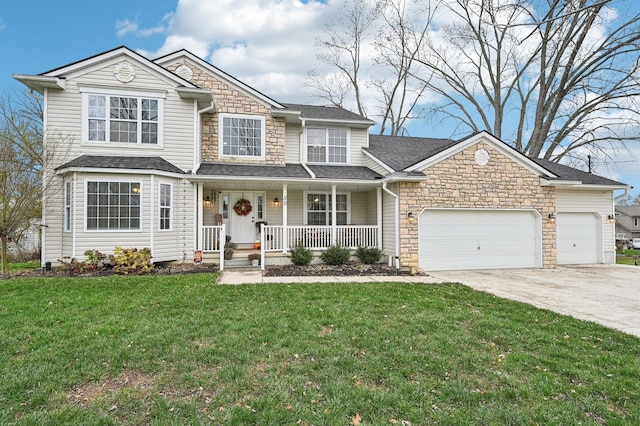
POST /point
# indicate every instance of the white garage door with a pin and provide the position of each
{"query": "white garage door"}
(479, 239)
(578, 238)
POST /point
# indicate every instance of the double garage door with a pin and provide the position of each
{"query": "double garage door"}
(479, 239)
(488, 239)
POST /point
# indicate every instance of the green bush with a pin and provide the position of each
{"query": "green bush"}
(301, 256)
(131, 261)
(336, 255)
(95, 260)
(369, 255)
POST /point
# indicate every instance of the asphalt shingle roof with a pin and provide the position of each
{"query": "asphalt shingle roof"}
(294, 171)
(250, 170)
(344, 172)
(121, 162)
(326, 113)
(400, 152)
(569, 173)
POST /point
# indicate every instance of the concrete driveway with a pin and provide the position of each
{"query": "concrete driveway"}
(604, 294)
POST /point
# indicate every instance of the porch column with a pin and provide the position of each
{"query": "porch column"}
(379, 220)
(334, 216)
(200, 193)
(285, 232)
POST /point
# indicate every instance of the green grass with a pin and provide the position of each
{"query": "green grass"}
(30, 264)
(629, 257)
(181, 350)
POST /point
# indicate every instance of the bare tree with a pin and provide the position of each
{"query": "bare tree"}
(554, 78)
(21, 165)
(371, 53)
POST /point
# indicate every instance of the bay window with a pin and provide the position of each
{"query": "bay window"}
(113, 206)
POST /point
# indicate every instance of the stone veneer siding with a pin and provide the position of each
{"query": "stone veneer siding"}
(232, 101)
(459, 182)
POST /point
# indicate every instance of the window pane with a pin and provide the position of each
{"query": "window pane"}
(110, 205)
(242, 136)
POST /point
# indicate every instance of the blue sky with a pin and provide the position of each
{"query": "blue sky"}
(267, 44)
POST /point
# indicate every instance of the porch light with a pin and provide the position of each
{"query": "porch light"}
(136, 189)
(611, 218)
(551, 217)
(207, 201)
(276, 202)
(410, 215)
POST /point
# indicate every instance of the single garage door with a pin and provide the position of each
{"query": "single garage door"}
(578, 238)
(479, 239)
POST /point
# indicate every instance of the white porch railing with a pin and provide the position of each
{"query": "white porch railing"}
(320, 237)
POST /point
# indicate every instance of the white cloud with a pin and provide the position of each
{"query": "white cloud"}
(125, 26)
(3, 26)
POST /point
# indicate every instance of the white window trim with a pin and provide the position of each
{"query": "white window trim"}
(68, 207)
(171, 207)
(159, 96)
(328, 193)
(263, 146)
(86, 206)
(326, 128)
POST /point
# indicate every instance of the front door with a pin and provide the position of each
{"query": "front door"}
(242, 217)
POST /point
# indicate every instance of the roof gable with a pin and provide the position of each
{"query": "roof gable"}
(183, 54)
(114, 55)
(494, 142)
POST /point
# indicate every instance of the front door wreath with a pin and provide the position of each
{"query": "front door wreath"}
(242, 207)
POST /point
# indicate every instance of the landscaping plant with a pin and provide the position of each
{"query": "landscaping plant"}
(369, 255)
(335, 255)
(131, 261)
(301, 256)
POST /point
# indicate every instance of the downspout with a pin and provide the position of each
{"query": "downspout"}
(198, 134)
(397, 223)
(302, 162)
(620, 197)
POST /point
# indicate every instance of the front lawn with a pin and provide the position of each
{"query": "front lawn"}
(181, 350)
(628, 257)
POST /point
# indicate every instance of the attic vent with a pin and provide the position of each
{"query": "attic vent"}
(185, 72)
(124, 72)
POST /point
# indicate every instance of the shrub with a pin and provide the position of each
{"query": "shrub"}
(95, 260)
(336, 255)
(369, 255)
(131, 261)
(301, 256)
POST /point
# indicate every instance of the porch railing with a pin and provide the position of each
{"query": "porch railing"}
(320, 237)
(311, 237)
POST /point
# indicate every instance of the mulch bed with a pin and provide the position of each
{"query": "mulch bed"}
(348, 269)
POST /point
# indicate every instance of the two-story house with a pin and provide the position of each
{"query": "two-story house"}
(627, 222)
(174, 154)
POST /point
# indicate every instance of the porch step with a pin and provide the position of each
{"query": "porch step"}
(240, 260)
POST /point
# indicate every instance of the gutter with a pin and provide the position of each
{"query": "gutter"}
(302, 163)
(397, 223)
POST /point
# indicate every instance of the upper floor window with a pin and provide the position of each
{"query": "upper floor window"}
(123, 118)
(242, 135)
(327, 145)
(113, 205)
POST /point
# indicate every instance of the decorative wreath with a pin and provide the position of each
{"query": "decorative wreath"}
(242, 207)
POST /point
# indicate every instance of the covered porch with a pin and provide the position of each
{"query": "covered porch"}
(274, 218)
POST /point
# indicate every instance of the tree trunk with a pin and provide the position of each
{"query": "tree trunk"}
(5, 260)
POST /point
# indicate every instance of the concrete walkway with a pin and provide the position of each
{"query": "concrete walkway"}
(605, 294)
